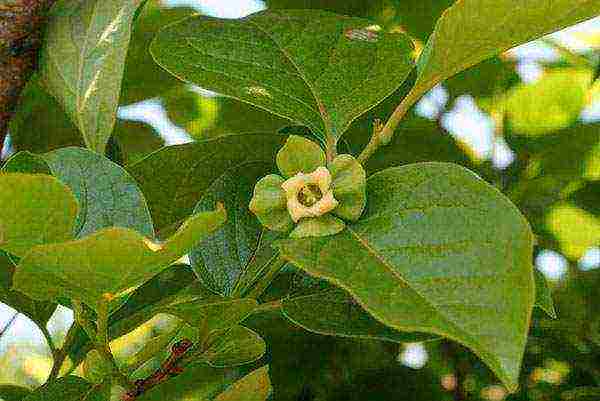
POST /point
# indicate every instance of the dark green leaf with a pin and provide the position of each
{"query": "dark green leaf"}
(9, 392)
(305, 65)
(83, 59)
(543, 295)
(437, 250)
(36, 209)
(110, 261)
(221, 258)
(136, 140)
(333, 312)
(233, 347)
(174, 178)
(69, 388)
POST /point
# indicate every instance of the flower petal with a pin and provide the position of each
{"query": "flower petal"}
(269, 203)
(349, 182)
(299, 155)
(322, 177)
(318, 227)
(326, 204)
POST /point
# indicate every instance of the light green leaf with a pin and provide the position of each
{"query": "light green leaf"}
(269, 203)
(110, 261)
(299, 155)
(255, 386)
(234, 347)
(575, 229)
(36, 209)
(333, 312)
(318, 227)
(221, 258)
(560, 96)
(198, 306)
(69, 388)
(543, 295)
(473, 30)
(39, 312)
(83, 59)
(440, 251)
(174, 178)
(348, 184)
(305, 65)
(107, 195)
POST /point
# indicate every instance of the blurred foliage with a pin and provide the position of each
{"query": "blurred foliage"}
(554, 180)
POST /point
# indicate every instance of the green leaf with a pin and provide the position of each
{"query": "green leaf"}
(40, 124)
(255, 386)
(318, 226)
(575, 229)
(560, 96)
(96, 368)
(39, 312)
(473, 30)
(348, 184)
(9, 392)
(439, 251)
(140, 306)
(110, 261)
(543, 295)
(299, 155)
(305, 65)
(36, 209)
(107, 195)
(269, 203)
(221, 258)
(198, 306)
(234, 347)
(333, 312)
(136, 140)
(69, 388)
(174, 178)
(83, 59)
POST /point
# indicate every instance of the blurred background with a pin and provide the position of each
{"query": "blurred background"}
(527, 121)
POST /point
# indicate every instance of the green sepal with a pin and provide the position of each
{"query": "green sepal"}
(318, 227)
(269, 204)
(349, 182)
(299, 155)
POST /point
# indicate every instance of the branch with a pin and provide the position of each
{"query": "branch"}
(21, 23)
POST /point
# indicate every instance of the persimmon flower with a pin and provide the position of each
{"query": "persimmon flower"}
(310, 196)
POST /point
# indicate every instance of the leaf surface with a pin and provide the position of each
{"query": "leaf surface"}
(110, 261)
(235, 346)
(440, 251)
(313, 67)
(36, 209)
(255, 386)
(471, 31)
(174, 178)
(69, 388)
(543, 295)
(83, 58)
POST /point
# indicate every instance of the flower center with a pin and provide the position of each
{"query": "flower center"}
(309, 195)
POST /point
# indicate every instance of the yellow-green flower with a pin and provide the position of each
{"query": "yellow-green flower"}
(310, 196)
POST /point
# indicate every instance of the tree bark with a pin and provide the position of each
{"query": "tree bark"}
(21, 29)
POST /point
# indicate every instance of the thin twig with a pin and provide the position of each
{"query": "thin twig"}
(8, 324)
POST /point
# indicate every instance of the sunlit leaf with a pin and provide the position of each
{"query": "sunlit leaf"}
(473, 30)
(575, 229)
(110, 261)
(36, 209)
(437, 250)
(83, 59)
